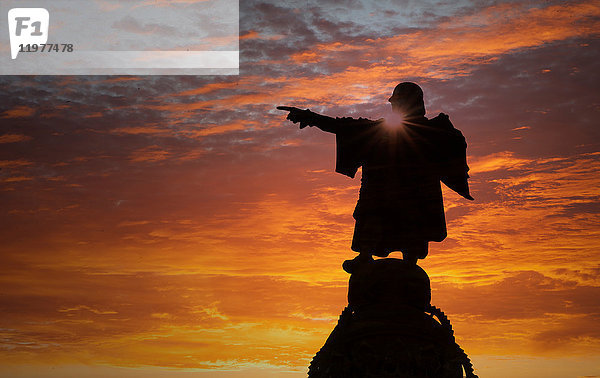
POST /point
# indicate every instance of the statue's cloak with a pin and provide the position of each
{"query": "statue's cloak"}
(400, 200)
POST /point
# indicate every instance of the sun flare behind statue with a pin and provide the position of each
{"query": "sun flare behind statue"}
(394, 120)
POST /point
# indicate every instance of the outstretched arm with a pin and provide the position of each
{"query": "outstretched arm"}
(308, 118)
(350, 135)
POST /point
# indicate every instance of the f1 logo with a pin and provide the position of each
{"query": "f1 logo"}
(27, 26)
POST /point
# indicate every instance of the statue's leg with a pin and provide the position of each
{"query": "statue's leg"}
(414, 251)
(409, 258)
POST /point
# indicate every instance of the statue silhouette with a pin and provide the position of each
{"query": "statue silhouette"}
(403, 159)
(389, 328)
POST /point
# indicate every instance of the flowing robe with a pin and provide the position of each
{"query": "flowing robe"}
(400, 201)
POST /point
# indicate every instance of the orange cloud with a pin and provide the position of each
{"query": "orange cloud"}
(14, 163)
(17, 179)
(13, 138)
(497, 161)
(149, 154)
(18, 112)
(137, 130)
(491, 32)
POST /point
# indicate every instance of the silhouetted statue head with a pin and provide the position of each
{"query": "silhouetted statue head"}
(407, 99)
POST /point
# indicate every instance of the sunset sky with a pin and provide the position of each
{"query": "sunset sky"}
(160, 226)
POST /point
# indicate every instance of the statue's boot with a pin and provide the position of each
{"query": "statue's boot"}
(350, 266)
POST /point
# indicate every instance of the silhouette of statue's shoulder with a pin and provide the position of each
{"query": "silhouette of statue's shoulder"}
(442, 121)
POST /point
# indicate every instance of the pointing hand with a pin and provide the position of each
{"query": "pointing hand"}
(297, 115)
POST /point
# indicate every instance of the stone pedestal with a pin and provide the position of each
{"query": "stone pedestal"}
(390, 329)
